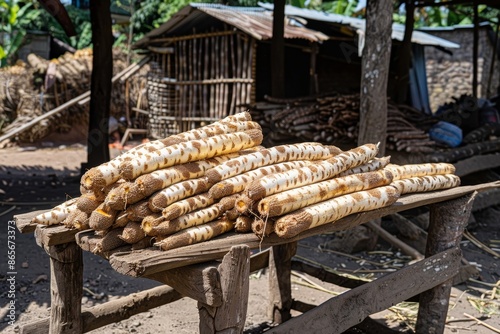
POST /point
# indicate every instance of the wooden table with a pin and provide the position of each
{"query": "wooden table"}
(221, 287)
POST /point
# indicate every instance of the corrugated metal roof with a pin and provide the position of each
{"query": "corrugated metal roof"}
(255, 21)
(418, 37)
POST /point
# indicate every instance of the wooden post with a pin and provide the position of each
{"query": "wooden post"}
(475, 50)
(100, 86)
(374, 74)
(66, 288)
(280, 285)
(404, 61)
(447, 223)
(231, 315)
(278, 50)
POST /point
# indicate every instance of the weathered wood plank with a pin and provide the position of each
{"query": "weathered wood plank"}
(230, 316)
(280, 284)
(199, 282)
(326, 275)
(66, 288)
(447, 223)
(54, 235)
(477, 163)
(114, 311)
(342, 312)
(23, 221)
(149, 261)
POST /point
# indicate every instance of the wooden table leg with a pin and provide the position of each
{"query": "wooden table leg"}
(230, 317)
(280, 285)
(66, 288)
(447, 223)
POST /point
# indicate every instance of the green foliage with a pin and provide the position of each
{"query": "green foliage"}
(342, 7)
(12, 15)
(45, 22)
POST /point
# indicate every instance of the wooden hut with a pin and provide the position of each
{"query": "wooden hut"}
(204, 63)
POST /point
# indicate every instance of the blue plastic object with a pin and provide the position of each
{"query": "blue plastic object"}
(446, 133)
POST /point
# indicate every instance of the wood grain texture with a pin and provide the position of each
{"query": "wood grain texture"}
(344, 312)
(280, 284)
(66, 289)
(447, 223)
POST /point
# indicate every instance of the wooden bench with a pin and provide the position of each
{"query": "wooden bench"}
(221, 288)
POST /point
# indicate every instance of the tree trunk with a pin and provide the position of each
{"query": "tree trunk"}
(100, 86)
(278, 50)
(374, 73)
(404, 61)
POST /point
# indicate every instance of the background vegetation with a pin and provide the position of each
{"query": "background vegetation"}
(17, 17)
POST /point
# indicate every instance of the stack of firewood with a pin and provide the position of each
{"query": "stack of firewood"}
(335, 118)
(38, 86)
(194, 186)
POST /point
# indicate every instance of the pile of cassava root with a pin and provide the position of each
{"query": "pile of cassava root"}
(196, 185)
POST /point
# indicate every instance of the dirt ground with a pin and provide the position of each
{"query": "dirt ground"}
(39, 178)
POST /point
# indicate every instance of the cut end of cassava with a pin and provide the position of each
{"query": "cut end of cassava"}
(132, 233)
(127, 170)
(243, 224)
(75, 219)
(87, 202)
(138, 211)
(243, 204)
(101, 218)
(145, 186)
(255, 135)
(263, 227)
(289, 226)
(149, 222)
(93, 179)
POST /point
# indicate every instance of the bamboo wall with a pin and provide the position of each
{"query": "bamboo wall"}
(199, 78)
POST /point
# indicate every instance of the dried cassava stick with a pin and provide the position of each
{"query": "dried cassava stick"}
(273, 155)
(407, 171)
(238, 183)
(426, 183)
(77, 219)
(243, 224)
(132, 233)
(187, 205)
(88, 202)
(145, 185)
(102, 218)
(110, 241)
(195, 234)
(232, 214)
(57, 214)
(191, 219)
(294, 199)
(143, 243)
(151, 221)
(331, 210)
(138, 211)
(108, 173)
(263, 227)
(190, 151)
(178, 191)
(312, 173)
(370, 166)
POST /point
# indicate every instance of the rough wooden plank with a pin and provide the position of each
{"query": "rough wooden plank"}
(66, 288)
(477, 163)
(115, 310)
(280, 284)
(23, 221)
(259, 260)
(54, 235)
(342, 312)
(447, 223)
(149, 261)
(231, 315)
(199, 282)
(325, 275)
